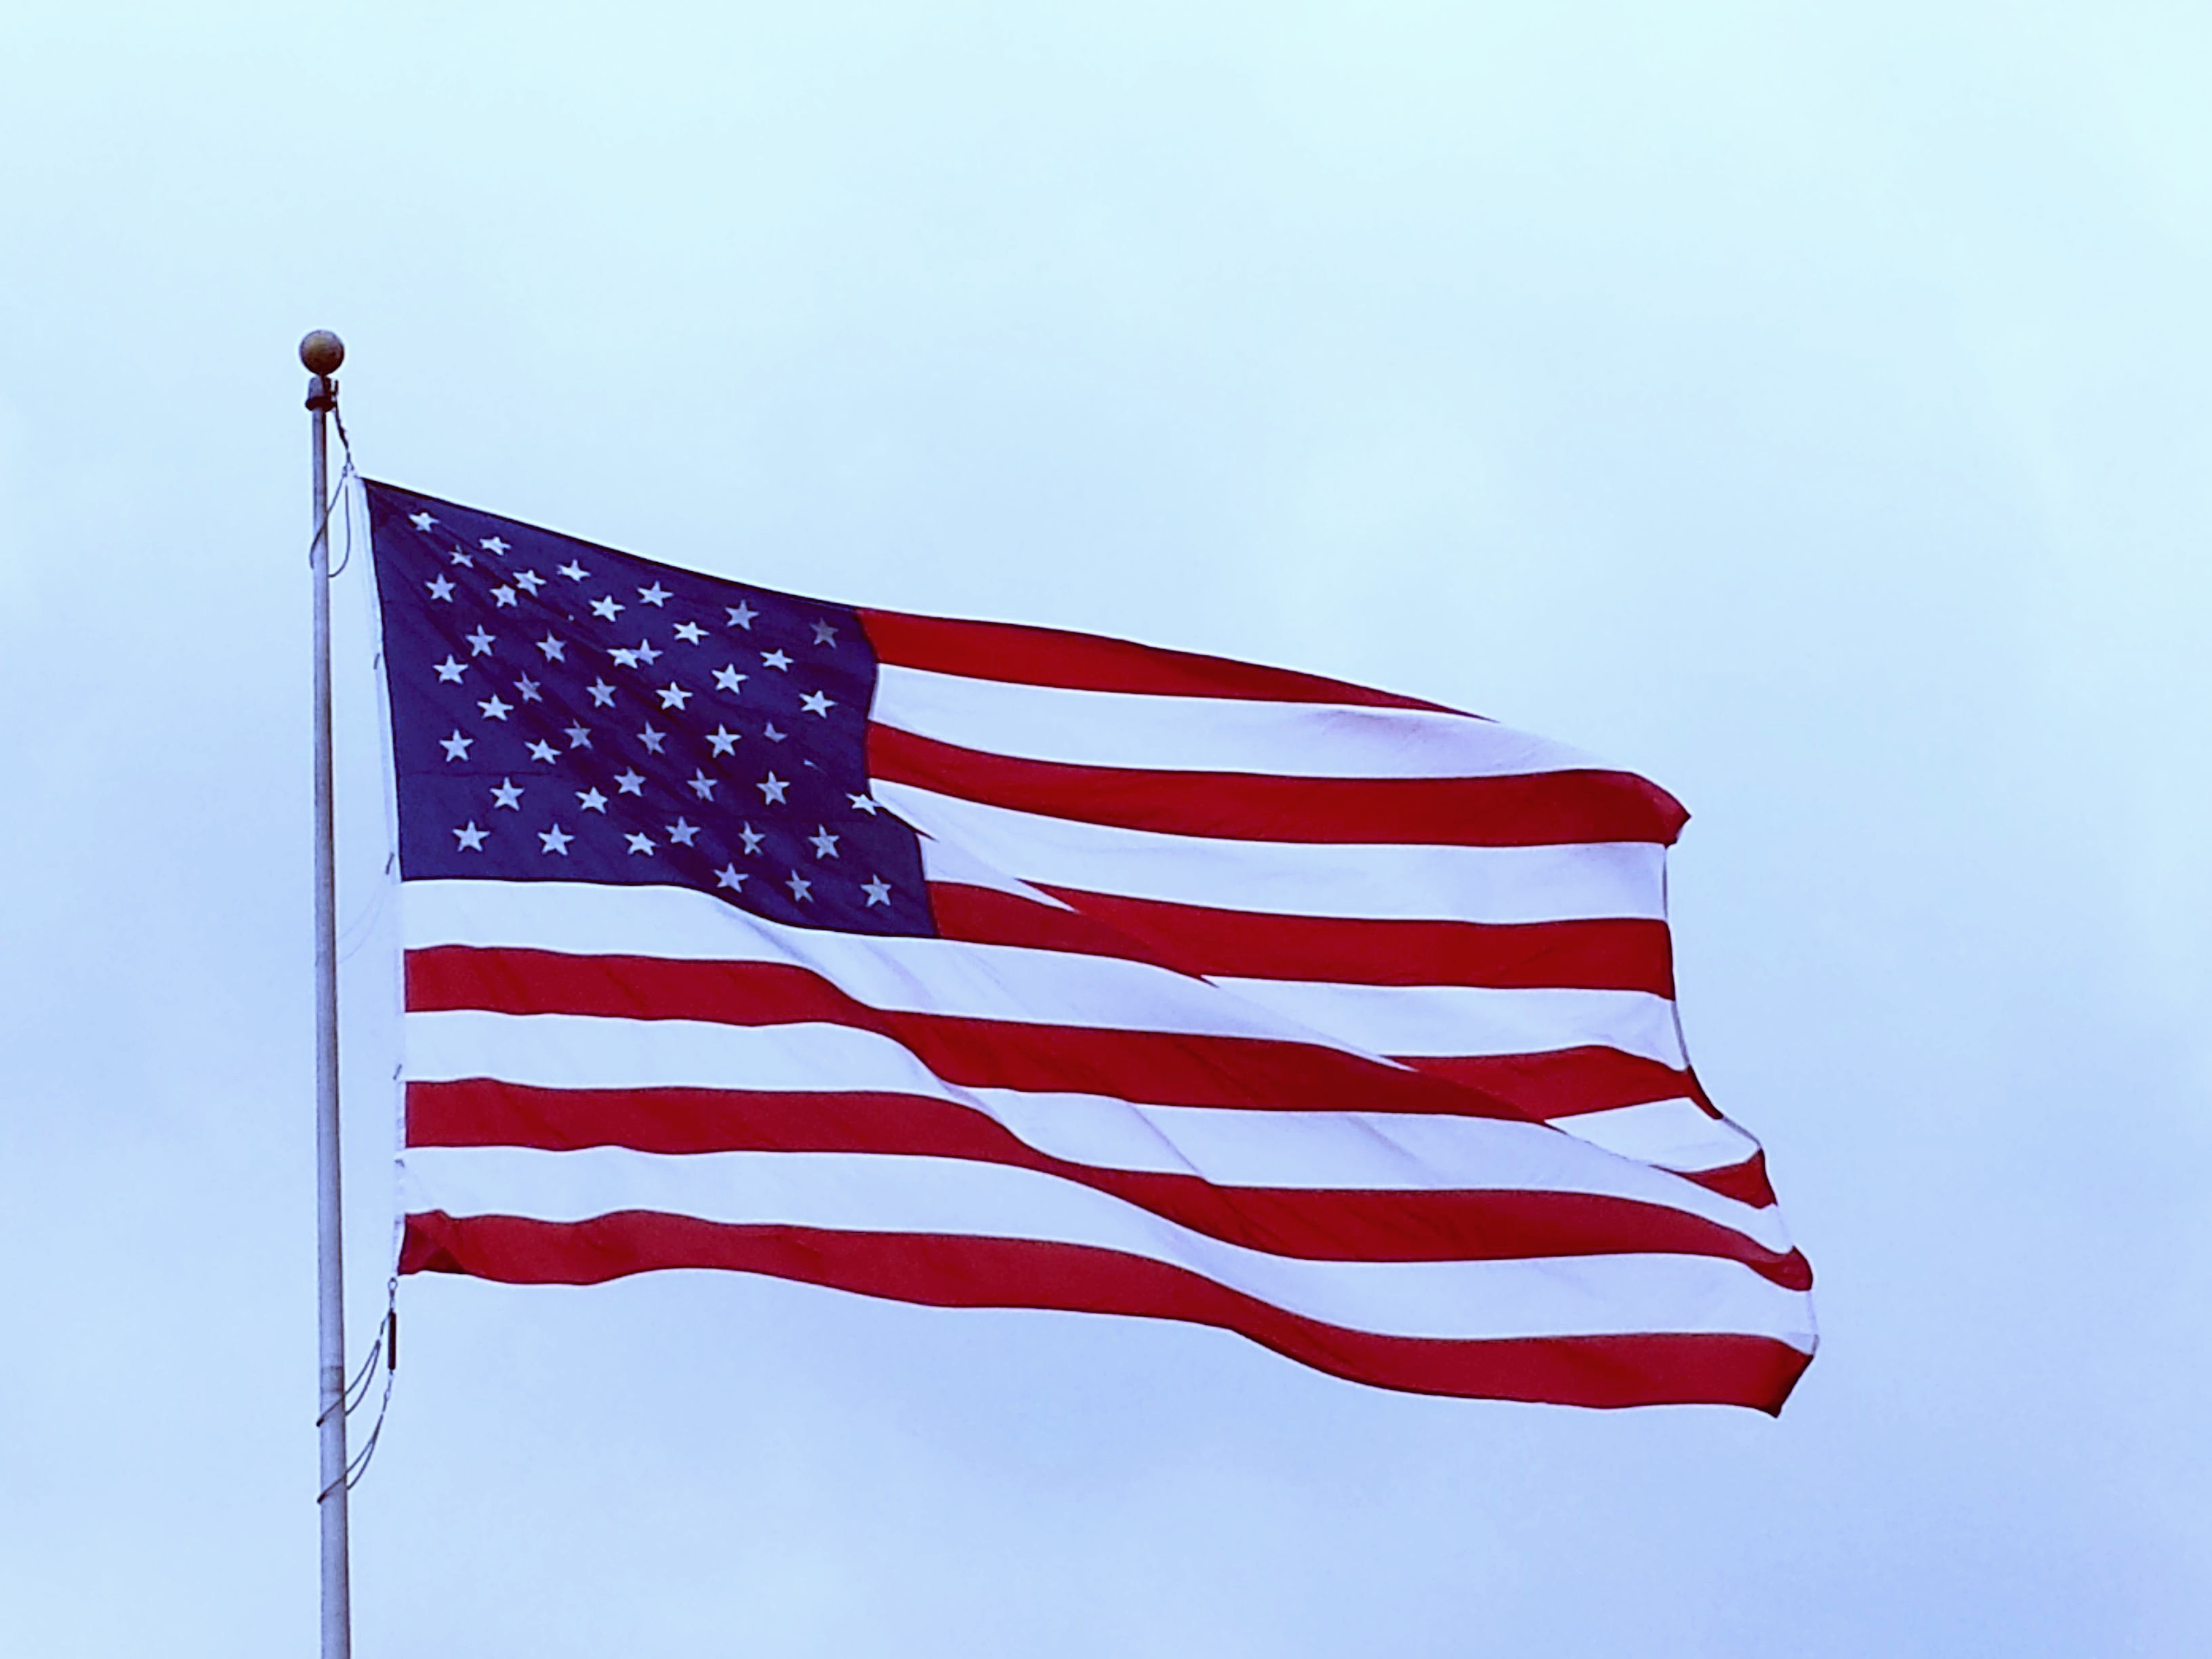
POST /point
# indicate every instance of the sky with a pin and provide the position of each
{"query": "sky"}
(1810, 407)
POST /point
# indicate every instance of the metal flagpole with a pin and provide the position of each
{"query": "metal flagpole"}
(322, 352)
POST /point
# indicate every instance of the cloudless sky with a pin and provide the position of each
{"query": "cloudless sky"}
(1809, 406)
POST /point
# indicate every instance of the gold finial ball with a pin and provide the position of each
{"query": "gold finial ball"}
(322, 351)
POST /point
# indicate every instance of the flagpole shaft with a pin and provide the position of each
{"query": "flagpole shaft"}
(322, 353)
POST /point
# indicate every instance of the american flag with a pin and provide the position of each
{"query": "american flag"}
(990, 966)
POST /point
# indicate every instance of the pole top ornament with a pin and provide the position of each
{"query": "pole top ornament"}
(322, 352)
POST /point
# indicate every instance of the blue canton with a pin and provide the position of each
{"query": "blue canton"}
(563, 712)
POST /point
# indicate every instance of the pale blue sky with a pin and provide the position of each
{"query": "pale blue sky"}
(1812, 408)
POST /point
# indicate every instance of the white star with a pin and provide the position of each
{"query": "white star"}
(420, 520)
(440, 589)
(641, 843)
(727, 677)
(769, 732)
(801, 889)
(701, 785)
(542, 750)
(630, 782)
(690, 633)
(683, 832)
(724, 739)
(775, 659)
(647, 652)
(817, 703)
(825, 844)
(457, 746)
(554, 649)
(508, 794)
(624, 657)
(580, 737)
(673, 695)
(526, 688)
(608, 607)
(602, 695)
(825, 635)
(879, 891)
(751, 837)
(742, 615)
(556, 840)
(731, 876)
(655, 594)
(592, 800)
(529, 581)
(863, 804)
(479, 643)
(471, 839)
(772, 788)
(492, 545)
(572, 571)
(493, 709)
(502, 595)
(449, 671)
(653, 737)
(458, 557)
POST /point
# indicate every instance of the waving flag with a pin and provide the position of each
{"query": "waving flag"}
(979, 965)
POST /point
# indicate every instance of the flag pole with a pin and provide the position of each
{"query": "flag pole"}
(321, 353)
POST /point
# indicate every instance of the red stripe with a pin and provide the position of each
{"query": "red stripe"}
(1159, 1068)
(1615, 955)
(1745, 1183)
(1576, 1080)
(1333, 1226)
(1567, 1080)
(938, 1271)
(1539, 809)
(1086, 662)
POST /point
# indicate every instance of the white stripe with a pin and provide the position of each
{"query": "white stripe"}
(967, 981)
(1390, 882)
(1350, 1151)
(1672, 1134)
(1586, 1296)
(920, 975)
(1206, 734)
(1323, 1151)
(1425, 1020)
(586, 1051)
(943, 862)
